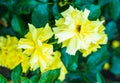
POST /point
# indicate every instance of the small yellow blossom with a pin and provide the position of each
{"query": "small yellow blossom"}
(115, 44)
(41, 54)
(106, 66)
(77, 32)
(57, 63)
(35, 46)
(10, 56)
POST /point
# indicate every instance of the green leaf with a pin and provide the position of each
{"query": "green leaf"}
(81, 3)
(37, 72)
(95, 12)
(24, 6)
(3, 79)
(116, 51)
(69, 60)
(17, 24)
(43, 1)
(55, 11)
(100, 78)
(111, 30)
(40, 15)
(115, 66)
(25, 80)
(35, 75)
(96, 60)
(35, 79)
(50, 76)
(58, 81)
(115, 9)
(103, 2)
(16, 74)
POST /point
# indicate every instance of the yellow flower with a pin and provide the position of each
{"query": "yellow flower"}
(106, 66)
(57, 63)
(77, 32)
(35, 46)
(9, 54)
(115, 44)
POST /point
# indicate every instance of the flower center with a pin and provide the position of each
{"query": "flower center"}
(78, 28)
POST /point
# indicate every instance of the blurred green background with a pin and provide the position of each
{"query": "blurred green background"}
(102, 66)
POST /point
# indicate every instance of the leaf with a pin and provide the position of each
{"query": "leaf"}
(40, 15)
(115, 9)
(50, 76)
(117, 51)
(17, 24)
(37, 72)
(55, 11)
(111, 30)
(3, 79)
(7, 5)
(103, 2)
(24, 6)
(34, 79)
(69, 61)
(44, 1)
(115, 66)
(16, 74)
(95, 12)
(80, 3)
(100, 78)
(58, 81)
(96, 60)
(25, 80)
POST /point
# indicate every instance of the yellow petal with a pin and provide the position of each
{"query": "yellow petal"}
(33, 31)
(64, 36)
(2, 41)
(25, 63)
(72, 46)
(57, 63)
(92, 48)
(34, 61)
(85, 14)
(63, 72)
(68, 11)
(25, 43)
(46, 33)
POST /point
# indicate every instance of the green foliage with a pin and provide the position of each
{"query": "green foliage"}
(16, 74)
(25, 80)
(17, 24)
(40, 15)
(96, 60)
(3, 79)
(111, 30)
(115, 67)
(115, 9)
(69, 60)
(103, 2)
(36, 76)
(24, 6)
(100, 78)
(34, 79)
(50, 76)
(95, 12)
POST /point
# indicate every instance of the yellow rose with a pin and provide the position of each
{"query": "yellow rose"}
(76, 32)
